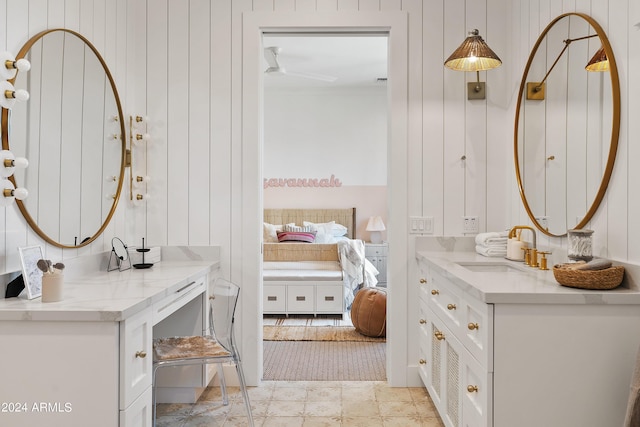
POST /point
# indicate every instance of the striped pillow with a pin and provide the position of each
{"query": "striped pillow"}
(297, 236)
(292, 227)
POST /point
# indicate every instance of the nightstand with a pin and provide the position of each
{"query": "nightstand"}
(376, 253)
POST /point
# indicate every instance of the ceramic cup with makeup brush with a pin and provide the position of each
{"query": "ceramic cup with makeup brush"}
(52, 280)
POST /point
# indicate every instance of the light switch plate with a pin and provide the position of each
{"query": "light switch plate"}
(420, 225)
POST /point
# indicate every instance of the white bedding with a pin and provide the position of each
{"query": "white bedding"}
(357, 269)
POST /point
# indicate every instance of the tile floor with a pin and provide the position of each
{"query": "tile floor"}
(308, 404)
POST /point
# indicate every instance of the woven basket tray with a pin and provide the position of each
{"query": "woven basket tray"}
(608, 278)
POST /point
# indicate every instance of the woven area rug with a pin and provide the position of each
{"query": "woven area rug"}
(315, 333)
(324, 361)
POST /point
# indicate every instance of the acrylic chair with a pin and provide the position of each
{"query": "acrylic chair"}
(216, 346)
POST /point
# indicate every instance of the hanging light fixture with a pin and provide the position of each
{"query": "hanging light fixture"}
(473, 55)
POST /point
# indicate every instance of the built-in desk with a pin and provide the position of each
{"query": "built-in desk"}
(86, 360)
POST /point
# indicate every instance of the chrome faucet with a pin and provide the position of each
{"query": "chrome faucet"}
(532, 258)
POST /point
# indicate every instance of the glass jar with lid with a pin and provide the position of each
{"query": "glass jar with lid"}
(580, 245)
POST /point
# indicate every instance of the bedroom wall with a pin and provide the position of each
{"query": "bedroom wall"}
(327, 133)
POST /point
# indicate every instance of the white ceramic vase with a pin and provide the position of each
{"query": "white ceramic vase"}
(52, 287)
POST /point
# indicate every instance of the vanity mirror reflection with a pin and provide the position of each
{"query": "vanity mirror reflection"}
(567, 124)
(72, 132)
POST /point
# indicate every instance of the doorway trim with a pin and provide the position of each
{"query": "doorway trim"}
(249, 274)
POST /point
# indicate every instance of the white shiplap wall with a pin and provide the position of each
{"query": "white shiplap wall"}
(443, 125)
(189, 82)
(180, 62)
(104, 23)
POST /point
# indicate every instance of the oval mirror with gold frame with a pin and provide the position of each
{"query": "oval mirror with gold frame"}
(72, 132)
(567, 124)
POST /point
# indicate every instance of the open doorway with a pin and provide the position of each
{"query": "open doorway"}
(248, 270)
(325, 118)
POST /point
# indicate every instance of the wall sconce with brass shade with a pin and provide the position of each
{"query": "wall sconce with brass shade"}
(599, 62)
(473, 55)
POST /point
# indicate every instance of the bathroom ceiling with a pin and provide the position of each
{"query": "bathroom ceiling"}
(311, 61)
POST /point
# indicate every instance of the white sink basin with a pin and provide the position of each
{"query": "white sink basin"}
(493, 267)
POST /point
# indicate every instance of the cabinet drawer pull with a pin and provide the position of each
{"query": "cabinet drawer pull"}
(301, 298)
(473, 326)
(451, 307)
(272, 298)
(439, 335)
(141, 354)
(327, 298)
(422, 321)
(423, 280)
(435, 292)
(186, 286)
(422, 362)
(472, 388)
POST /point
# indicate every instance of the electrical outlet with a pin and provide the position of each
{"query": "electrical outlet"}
(470, 224)
(543, 221)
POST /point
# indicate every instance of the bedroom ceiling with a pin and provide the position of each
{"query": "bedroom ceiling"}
(313, 60)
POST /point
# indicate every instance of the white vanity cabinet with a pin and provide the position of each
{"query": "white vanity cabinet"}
(87, 360)
(459, 385)
(517, 349)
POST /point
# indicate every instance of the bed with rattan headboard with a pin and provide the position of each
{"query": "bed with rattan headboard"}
(305, 277)
(303, 251)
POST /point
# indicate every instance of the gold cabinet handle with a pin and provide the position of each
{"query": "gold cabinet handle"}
(141, 354)
(473, 326)
(422, 321)
(451, 307)
(435, 292)
(422, 362)
(439, 335)
(472, 388)
(423, 280)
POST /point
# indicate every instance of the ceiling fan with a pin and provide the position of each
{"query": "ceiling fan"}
(271, 55)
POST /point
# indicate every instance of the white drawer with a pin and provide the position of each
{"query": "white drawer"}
(300, 299)
(477, 330)
(274, 298)
(445, 301)
(136, 356)
(169, 304)
(329, 298)
(140, 413)
(373, 250)
(477, 391)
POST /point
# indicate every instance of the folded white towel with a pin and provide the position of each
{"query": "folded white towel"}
(495, 244)
(492, 252)
(492, 237)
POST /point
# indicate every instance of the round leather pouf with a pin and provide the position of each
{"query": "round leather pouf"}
(369, 312)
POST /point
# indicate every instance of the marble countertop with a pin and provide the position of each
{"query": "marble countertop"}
(524, 285)
(109, 296)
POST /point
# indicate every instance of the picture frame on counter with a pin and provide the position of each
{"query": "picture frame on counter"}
(31, 274)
